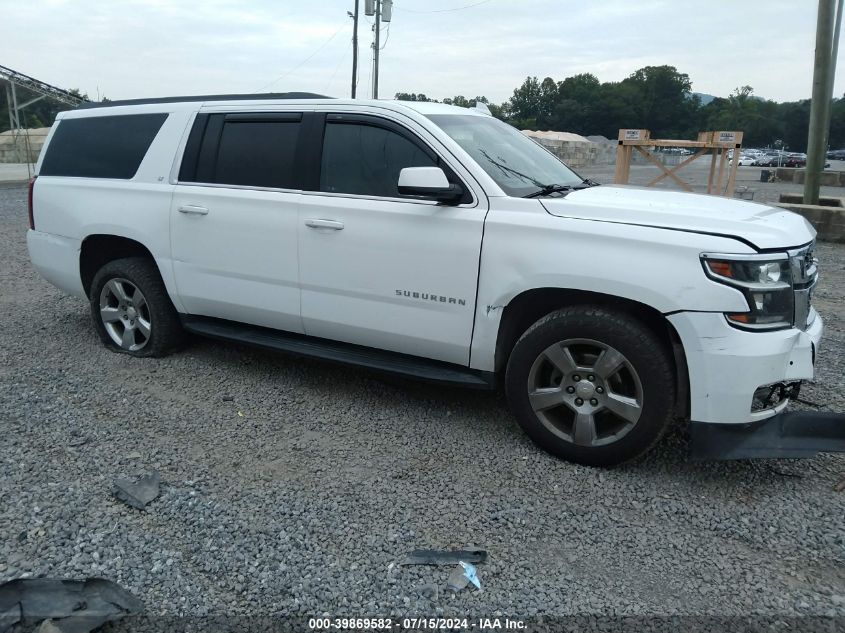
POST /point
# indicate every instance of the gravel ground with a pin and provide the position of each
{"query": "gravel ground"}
(302, 493)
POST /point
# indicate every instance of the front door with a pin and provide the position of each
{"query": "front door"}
(380, 270)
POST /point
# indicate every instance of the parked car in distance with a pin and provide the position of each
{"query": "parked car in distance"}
(836, 154)
(745, 161)
(768, 161)
(783, 160)
(435, 242)
(745, 151)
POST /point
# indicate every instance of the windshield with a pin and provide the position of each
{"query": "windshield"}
(517, 164)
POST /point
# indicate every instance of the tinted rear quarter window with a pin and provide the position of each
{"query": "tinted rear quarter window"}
(101, 147)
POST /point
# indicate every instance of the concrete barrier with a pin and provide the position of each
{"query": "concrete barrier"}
(828, 178)
(828, 218)
(22, 147)
(573, 149)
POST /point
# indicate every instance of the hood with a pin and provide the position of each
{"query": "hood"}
(763, 226)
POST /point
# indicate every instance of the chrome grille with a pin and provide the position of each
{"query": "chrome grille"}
(805, 274)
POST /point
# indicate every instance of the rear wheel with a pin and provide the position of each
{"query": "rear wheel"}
(131, 309)
(591, 385)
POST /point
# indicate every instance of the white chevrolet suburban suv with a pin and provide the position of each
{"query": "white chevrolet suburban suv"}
(435, 242)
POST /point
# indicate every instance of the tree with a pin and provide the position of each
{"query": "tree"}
(664, 101)
(796, 124)
(836, 139)
(617, 108)
(411, 96)
(459, 101)
(657, 98)
(759, 120)
(575, 109)
(548, 100)
(524, 105)
(583, 87)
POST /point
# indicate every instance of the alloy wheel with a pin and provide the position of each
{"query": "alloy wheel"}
(125, 314)
(585, 392)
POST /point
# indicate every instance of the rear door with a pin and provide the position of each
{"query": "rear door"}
(378, 269)
(234, 218)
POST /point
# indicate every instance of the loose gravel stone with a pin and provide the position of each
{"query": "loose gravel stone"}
(308, 502)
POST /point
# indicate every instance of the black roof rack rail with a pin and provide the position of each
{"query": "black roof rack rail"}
(231, 97)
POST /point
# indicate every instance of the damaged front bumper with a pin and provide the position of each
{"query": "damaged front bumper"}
(792, 434)
(730, 369)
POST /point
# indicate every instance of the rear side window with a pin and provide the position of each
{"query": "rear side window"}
(101, 147)
(249, 149)
(365, 159)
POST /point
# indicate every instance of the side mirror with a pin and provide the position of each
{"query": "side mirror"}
(428, 182)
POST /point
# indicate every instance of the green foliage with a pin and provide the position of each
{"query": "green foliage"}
(411, 96)
(657, 98)
(460, 100)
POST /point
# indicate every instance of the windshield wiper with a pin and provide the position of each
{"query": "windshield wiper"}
(546, 190)
(506, 170)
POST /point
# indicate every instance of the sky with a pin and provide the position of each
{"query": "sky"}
(143, 48)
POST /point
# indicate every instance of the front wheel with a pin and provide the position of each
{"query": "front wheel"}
(591, 385)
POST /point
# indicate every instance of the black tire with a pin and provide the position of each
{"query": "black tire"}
(165, 333)
(647, 374)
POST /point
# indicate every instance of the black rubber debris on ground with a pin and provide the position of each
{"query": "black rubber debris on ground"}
(75, 606)
(9, 617)
(445, 557)
(138, 493)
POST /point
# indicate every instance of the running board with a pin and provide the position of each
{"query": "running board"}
(343, 353)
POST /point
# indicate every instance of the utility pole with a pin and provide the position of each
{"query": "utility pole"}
(834, 54)
(820, 105)
(376, 46)
(355, 50)
(383, 12)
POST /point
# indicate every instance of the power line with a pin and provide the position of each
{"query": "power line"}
(372, 65)
(334, 74)
(468, 6)
(307, 59)
(387, 36)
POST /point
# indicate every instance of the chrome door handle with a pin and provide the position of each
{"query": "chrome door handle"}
(324, 224)
(193, 209)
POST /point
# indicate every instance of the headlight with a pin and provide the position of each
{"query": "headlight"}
(766, 282)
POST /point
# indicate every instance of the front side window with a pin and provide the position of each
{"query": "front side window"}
(516, 163)
(366, 159)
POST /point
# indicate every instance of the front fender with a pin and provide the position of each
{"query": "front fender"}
(659, 268)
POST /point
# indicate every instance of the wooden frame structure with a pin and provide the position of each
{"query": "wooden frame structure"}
(716, 144)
